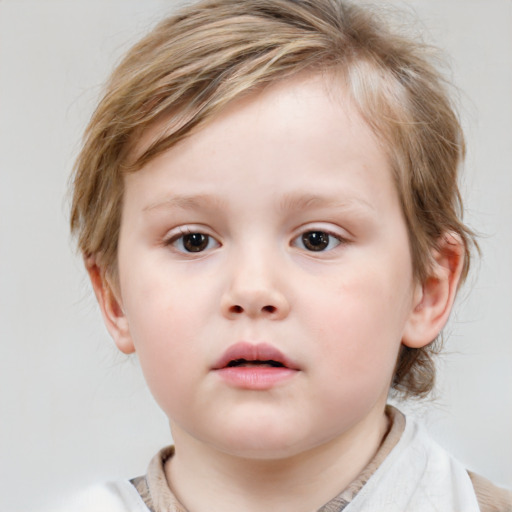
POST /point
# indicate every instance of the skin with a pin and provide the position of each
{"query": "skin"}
(286, 161)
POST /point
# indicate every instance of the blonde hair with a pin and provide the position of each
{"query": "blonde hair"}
(196, 62)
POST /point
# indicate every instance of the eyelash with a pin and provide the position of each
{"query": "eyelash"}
(181, 237)
(330, 236)
(203, 241)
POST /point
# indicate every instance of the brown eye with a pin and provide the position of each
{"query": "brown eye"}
(315, 240)
(192, 242)
(195, 242)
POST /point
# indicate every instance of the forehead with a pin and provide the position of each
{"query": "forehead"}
(296, 95)
(286, 131)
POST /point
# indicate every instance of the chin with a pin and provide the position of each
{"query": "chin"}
(263, 441)
(263, 450)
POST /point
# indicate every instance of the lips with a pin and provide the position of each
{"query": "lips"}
(254, 367)
(245, 354)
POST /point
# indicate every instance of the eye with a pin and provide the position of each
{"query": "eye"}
(317, 241)
(192, 242)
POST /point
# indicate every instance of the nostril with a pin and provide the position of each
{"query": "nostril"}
(236, 309)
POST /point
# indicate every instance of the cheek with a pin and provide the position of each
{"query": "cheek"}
(165, 322)
(359, 326)
(162, 305)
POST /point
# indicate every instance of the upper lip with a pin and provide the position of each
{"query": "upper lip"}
(251, 352)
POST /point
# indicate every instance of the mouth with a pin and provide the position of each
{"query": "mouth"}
(255, 367)
(244, 363)
(248, 355)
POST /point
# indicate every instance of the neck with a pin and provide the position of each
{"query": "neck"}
(300, 482)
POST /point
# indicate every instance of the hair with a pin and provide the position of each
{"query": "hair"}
(194, 63)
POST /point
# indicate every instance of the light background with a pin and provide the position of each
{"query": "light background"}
(72, 410)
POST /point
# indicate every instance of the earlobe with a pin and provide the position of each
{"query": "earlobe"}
(110, 306)
(434, 298)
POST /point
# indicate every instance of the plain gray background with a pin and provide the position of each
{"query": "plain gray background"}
(73, 410)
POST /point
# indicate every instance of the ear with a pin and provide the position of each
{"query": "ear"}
(433, 299)
(110, 306)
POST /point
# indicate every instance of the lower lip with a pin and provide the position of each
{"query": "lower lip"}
(251, 377)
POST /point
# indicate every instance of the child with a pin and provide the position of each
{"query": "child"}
(267, 205)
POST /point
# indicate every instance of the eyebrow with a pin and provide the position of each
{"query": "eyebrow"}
(294, 202)
(187, 202)
(290, 202)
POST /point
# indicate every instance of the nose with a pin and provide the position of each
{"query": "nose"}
(255, 291)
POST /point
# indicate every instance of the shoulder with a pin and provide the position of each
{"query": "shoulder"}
(445, 472)
(118, 496)
(491, 498)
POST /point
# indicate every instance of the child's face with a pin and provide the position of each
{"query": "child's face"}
(276, 224)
